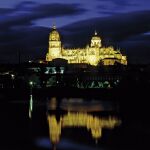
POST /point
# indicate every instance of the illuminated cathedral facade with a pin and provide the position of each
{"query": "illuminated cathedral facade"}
(92, 54)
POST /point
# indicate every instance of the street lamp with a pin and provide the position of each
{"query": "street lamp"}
(12, 78)
(31, 83)
(31, 100)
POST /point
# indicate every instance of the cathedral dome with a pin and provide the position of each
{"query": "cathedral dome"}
(54, 35)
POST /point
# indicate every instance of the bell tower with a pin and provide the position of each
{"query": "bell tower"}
(94, 50)
(54, 50)
(96, 41)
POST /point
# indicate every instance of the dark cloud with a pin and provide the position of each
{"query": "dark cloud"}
(4, 11)
(27, 12)
(107, 12)
(114, 7)
(120, 2)
(55, 9)
(26, 5)
(111, 7)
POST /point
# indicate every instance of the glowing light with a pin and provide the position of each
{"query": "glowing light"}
(31, 83)
(30, 61)
(12, 76)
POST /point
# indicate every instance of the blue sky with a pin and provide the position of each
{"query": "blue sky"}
(122, 23)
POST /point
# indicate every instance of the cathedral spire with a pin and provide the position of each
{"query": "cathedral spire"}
(95, 32)
(54, 26)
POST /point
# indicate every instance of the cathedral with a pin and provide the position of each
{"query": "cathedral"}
(92, 54)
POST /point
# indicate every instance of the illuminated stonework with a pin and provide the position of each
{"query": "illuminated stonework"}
(93, 54)
(93, 124)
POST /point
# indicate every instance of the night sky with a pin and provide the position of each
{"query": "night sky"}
(25, 26)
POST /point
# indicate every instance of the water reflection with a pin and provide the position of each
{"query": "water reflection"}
(78, 113)
(30, 106)
(92, 123)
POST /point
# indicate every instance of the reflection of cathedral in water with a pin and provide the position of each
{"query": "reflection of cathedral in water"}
(92, 123)
(77, 118)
